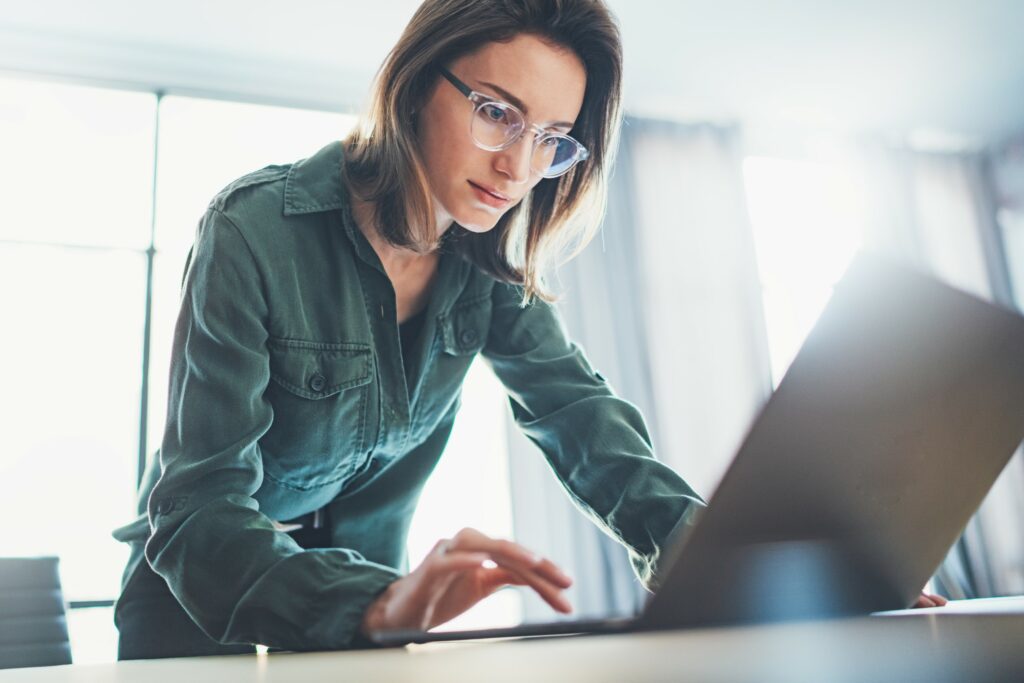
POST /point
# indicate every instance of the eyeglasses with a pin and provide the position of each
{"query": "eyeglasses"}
(498, 125)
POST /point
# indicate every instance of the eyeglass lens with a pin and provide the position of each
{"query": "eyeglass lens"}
(496, 126)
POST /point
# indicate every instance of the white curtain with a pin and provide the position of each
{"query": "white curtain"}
(667, 305)
(706, 333)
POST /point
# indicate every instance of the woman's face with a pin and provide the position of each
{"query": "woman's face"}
(548, 83)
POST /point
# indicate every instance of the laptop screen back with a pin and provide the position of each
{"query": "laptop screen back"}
(894, 420)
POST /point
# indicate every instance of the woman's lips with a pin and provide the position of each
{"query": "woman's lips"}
(487, 197)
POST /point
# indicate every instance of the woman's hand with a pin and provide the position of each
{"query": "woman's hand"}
(458, 573)
(930, 600)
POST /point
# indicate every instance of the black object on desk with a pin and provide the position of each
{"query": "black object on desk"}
(33, 627)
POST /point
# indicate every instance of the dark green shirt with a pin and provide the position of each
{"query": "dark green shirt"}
(288, 393)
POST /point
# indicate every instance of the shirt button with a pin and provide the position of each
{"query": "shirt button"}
(317, 382)
(468, 337)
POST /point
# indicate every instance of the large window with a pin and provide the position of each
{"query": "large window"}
(75, 220)
(76, 180)
(807, 221)
(80, 239)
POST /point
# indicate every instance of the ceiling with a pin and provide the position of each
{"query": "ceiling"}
(949, 69)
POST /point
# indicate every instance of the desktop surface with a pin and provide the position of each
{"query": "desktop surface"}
(973, 641)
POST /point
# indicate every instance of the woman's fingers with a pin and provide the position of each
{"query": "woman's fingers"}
(930, 600)
(550, 593)
(456, 561)
(499, 576)
(511, 553)
(539, 574)
(551, 570)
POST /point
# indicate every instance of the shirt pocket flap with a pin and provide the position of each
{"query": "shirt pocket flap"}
(317, 370)
(464, 328)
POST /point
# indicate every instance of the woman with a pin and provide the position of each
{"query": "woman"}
(330, 310)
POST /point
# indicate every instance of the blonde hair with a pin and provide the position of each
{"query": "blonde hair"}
(559, 217)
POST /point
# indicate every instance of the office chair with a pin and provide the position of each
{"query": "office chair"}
(33, 627)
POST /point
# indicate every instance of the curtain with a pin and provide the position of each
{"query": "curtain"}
(666, 303)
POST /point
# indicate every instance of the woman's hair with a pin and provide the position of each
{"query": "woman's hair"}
(560, 215)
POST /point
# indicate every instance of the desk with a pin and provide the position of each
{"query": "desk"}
(971, 642)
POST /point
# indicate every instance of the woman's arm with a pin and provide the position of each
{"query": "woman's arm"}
(238, 578)
(596, 443)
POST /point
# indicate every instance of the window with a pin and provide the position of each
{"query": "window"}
(74, 225)
(807, 223)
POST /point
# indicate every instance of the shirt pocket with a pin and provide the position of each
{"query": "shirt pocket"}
(464, 328)
(325, 411)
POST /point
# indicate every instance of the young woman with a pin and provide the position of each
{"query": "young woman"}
(330, 310)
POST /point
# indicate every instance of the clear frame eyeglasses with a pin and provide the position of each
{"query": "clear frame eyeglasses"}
(497, 125)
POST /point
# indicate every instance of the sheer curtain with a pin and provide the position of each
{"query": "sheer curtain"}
(938, 210)
(666, 303)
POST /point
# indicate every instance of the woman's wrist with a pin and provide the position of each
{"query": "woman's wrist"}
(373, 618)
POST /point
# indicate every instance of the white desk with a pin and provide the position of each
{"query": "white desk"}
(974, 643)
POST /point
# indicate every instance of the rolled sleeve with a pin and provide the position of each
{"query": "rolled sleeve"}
(238, 578)
(596, 443)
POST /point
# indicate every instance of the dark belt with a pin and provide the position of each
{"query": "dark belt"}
(315, 531)
(317, 519)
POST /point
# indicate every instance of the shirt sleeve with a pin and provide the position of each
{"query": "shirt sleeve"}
(237, 577)
(596, 442)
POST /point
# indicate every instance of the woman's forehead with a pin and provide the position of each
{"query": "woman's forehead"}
(547, 82)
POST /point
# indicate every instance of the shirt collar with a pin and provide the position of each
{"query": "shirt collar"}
(315, 184)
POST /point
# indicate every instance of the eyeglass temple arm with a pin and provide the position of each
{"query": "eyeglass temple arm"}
(463, 88)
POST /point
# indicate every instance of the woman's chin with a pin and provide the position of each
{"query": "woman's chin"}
(475, 222)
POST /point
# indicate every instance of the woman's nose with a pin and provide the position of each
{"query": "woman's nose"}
(515, 160)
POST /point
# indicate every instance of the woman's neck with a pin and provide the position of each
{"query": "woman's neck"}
(397, 261)
(364, 213)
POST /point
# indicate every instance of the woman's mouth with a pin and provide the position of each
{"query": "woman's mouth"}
(489, 197)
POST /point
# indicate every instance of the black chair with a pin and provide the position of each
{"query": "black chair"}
(33, 626)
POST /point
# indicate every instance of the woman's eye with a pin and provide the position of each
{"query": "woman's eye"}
(495, 114)
(550, 142)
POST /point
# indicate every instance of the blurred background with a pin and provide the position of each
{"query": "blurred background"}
(765, 143)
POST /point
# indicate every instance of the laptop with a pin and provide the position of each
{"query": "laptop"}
(892, 423)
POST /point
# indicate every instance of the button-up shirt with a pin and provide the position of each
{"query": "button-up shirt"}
(288, 393)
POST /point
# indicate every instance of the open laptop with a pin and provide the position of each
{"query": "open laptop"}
(895, 418)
